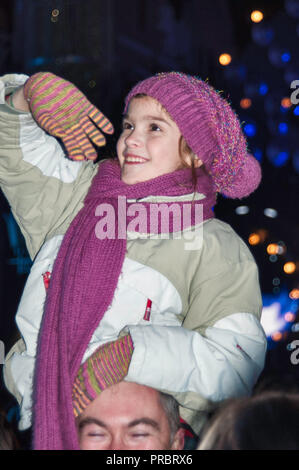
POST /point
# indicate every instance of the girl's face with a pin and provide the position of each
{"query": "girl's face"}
(149, 143)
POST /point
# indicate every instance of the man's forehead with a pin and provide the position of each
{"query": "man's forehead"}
(126, 403)
(129, 388)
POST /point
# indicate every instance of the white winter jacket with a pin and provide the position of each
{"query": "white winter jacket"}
(201, 340)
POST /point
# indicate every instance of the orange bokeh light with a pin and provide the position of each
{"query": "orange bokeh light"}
(294, 294)
(276, 336)
(272, 249)
(225, 59)
(245, 103)
(256, 16)
(254, 239)
(289, 268)
(289, 317)
(286, 102)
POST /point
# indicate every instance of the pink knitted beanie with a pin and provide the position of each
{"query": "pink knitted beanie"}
(210, 127)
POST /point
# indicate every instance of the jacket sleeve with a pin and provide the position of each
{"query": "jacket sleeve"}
(45, 189)
(219, 350)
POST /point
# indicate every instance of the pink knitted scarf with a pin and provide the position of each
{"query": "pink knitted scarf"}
(82, 286)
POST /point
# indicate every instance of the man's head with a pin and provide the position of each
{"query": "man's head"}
(129, 416)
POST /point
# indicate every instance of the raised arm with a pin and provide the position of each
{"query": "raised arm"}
(17, 100)
(44, 188)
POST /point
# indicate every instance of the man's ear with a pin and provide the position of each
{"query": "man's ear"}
(178, 440)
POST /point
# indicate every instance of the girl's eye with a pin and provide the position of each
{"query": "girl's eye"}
(127, 125)
(155, 127)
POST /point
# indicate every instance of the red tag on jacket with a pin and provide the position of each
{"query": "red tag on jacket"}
(148, 309)
(46, 278)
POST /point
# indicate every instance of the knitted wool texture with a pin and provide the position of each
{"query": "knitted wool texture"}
(210, 128)
(63, 110)
(107, 366)
(83, 281)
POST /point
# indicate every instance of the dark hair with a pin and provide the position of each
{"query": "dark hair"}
(267, 421)
(171, 408)
(8, 438)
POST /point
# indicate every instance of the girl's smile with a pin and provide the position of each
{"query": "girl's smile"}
(131, 158)
(149, 143)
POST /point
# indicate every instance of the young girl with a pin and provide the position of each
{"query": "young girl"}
(192, 315)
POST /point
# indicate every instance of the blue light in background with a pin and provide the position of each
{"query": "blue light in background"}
(296, 111)
(263, 89)
(286, 57)
(283, 109)
(278, 154)
(262, 35)
(21, 259)
(234, 72)
(275, 307)
(283, 128)
(242, 69)
(37, 61)
(296, 161)
(250, 130)
(281, 158)
(258, 154)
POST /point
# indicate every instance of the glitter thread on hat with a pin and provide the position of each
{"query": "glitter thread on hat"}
(210, 127)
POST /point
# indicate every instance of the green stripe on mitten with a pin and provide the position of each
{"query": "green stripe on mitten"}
(107, 366)
(62, 110)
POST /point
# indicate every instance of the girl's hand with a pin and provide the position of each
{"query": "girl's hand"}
(62, 110)
(107, 366)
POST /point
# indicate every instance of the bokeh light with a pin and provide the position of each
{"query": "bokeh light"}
(242, 210)
(277, 154)
(279, 56)
(269, 212)
(250, 129)
(245, 103)
(286, 102)
(286, 56)
(295, 161)
(283, 128)
(289, 267)
(277, 336)
(289, 317)
(225, 59)
(294, 294)
(263, 89)
(258, 153)
(256, 16)
(292, 8)
(279, 312)
(272, 249)
(254, 239)
(276, 281)
(262, 35)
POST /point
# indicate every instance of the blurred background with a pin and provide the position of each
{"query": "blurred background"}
(248, 49)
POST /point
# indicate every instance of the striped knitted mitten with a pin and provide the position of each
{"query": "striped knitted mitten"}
(62, 110)
(107, 366)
